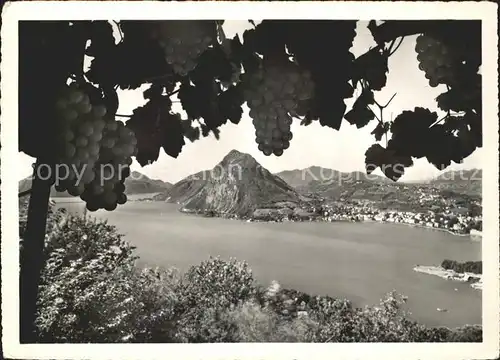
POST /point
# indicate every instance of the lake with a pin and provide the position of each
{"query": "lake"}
(357, 261)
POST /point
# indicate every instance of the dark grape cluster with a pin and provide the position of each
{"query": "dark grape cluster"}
(183, 42)
(81, 128)
(118, 146)
(435, 59)
(95, 152)
(273, 95)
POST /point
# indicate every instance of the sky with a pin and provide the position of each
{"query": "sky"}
(311, 145)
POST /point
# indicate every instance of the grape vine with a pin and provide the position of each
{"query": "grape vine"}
(183, 41)
(107, 189)
(214, 75)
(435, 59)
(272, 94)
(80, 134)
(95, 151)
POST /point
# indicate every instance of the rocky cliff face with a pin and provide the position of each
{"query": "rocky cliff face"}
(237, 185)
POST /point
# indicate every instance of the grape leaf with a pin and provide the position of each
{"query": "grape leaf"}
(230, 102)
(331, 115)
(359, 116)
(212, 64)
(190, 132)
(192, 99)
(366, 98)
(374, 157)
(216, 133)
(154, 91)
(416, 120)
(393, 171)
(408, 129)
(372, 26)
(372, 66)
(380, 130)
(101, 38)
(392, 164)
(204, 130)
(443, 147)
(154, 127)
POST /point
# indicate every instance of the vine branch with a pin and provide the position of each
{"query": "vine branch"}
(387, 104)
(393, 29)
(24, 193)
(391, 51)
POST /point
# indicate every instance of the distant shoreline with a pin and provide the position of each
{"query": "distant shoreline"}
(319, 219)
(204, 213)
(424, 227)
(475, 280)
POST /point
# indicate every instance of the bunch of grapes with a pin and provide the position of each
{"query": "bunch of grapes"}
(273, 94)
(80, 127)
(183, 42)
(435, 59)
(107, 189)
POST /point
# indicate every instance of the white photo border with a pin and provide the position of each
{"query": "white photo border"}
(359, 10)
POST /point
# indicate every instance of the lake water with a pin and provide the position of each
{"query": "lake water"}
(357, 261)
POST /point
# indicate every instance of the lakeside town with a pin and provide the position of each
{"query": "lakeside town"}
(453, 220)
(450, 220)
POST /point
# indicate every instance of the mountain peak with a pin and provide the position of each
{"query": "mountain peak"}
(237, 185)
(243, 159)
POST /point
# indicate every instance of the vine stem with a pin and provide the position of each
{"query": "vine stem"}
(448, 114)
(31, 257)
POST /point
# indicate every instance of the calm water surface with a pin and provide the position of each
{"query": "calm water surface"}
(360, 262)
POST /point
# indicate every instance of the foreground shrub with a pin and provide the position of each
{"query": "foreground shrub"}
(90, 289)
(254, 323)
(325, 319)
(467, 333)
(206, 293)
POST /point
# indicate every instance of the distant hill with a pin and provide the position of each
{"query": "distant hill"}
(315, 175)
(136, 183)
(302, 177)
(456, 176)
(455, 186)
(460, 181)
(328, 182)
(237, 185)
